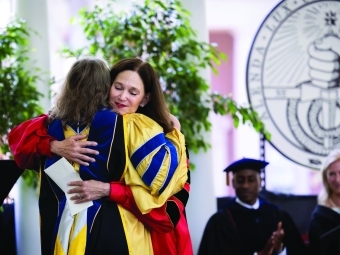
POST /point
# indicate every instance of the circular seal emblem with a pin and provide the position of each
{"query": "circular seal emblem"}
(293, 78)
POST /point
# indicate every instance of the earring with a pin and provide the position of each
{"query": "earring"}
(141, 105)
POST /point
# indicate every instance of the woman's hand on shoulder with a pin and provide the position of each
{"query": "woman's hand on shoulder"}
(73, 149)
(175, 122)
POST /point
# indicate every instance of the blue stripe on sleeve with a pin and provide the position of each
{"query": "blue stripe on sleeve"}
(173, 165)
(154, 167)
(148, 147)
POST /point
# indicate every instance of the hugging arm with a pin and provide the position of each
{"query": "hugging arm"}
(30, 141)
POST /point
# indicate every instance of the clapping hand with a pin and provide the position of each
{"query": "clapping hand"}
(274, 243)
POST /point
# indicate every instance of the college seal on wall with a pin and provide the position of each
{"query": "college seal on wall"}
(293, 78)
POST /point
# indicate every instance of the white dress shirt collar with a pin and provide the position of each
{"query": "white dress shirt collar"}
(255, 206)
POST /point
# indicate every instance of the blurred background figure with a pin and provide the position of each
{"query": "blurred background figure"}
(247, 224)
(324, 234)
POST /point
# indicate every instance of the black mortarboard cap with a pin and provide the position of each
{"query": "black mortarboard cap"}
(245, 163)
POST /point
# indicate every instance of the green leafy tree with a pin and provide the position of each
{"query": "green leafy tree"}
(19, 97)
(160, 33)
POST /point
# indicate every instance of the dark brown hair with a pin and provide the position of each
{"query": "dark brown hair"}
(156, 108)
(83, 92)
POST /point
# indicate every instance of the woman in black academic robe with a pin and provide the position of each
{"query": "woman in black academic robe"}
(324, 233)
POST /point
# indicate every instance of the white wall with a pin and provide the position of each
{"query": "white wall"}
(26, 199)
(243, 18)
(202, 190)
(243, 23)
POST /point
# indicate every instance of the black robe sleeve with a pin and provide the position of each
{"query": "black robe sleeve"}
(324, 232)
(314, 235)
(219, 235)
(10, 174)
(292, 238)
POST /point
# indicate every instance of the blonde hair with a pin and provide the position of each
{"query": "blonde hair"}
(326, 191)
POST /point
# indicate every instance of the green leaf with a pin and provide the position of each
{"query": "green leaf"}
(19, 97)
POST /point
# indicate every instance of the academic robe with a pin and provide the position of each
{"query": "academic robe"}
(236, 230)
(30, 141)
(324, 233)
(10, 173)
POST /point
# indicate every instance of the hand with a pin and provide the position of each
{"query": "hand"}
(267, 250)
(274, 243)
(175, 122)
(74, 150)
(277, 238)
(324, 62)
(85, 191)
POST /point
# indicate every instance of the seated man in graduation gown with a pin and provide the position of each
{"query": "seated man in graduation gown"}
(248, 225)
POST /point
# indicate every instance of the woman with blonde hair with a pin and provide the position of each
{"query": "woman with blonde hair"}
(324, 234)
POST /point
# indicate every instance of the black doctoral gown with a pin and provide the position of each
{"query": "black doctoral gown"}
(237, 230)
(324, 233)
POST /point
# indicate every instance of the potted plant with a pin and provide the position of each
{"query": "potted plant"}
(160, 33)
(19, 98)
